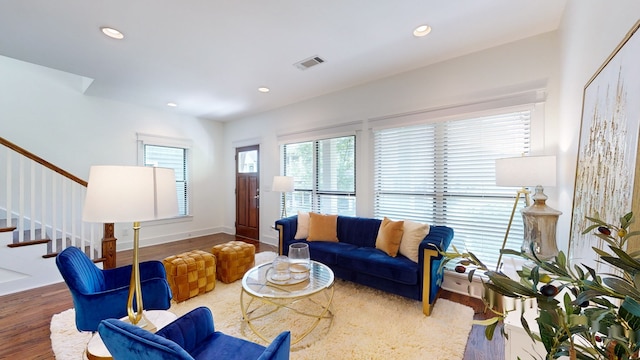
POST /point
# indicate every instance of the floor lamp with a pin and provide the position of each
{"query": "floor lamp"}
(284, 185)
(131, 194)
(539, 219)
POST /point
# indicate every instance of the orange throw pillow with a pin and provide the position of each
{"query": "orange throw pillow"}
(389, 236)
(323, 227)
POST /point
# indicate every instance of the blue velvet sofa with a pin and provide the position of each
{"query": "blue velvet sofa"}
(355, 258)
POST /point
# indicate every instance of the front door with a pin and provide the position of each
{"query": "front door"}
(248, 192)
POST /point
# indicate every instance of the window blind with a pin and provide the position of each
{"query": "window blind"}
(443, 173)
(324, 175)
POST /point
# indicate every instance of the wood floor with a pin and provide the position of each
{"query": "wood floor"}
(25, 316)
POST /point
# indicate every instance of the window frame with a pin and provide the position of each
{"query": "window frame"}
(314, 192)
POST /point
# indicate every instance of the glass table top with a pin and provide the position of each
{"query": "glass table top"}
(255, 282)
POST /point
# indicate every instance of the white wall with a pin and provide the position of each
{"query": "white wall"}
(590, 31)
(514, 67)
(45, 112)
(563, 60)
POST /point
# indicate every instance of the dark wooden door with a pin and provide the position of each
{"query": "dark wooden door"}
(248, 192)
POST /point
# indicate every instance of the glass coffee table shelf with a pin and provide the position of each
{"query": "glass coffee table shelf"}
(262, 299)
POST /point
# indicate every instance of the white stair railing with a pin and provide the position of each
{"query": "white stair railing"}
(43, 203)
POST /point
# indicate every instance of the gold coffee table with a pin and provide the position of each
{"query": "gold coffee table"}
(261, 298)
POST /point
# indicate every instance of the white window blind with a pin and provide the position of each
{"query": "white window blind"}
(174, 158)
(443, 173)
(324, 175)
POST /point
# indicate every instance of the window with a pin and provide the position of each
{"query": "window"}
(169, 153)
(324, 175)
(443, 173)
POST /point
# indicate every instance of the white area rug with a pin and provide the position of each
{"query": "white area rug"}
(367, 324)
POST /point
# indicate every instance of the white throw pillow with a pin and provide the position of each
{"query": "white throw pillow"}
(303, 226)
(413, 234)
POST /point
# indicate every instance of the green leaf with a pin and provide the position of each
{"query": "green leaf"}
(535, 276)
(600, 251)
(621, 288)
(562, 260)
(567, 304)
(626, 258)
(477, 261)
(470, 276)
(630, 312)
(579, 322)
(511, 252)
(619, 263)
(489, 330)
(596, 220)
(486, 322)
(505, 286)
(626, 220)
(590, 229)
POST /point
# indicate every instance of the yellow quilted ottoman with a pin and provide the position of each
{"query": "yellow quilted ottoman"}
(233, 259)
(190, 274)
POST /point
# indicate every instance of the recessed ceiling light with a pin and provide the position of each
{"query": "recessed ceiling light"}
(112, 33)
(264, 89)
(172, 104)
(422, 30)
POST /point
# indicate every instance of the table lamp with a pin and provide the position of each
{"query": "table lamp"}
(283, 184)
(539, 219)
(131, 194)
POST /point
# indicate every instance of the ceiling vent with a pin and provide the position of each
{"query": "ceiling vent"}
(310, 62)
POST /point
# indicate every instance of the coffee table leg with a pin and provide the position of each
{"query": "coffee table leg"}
(325, 312)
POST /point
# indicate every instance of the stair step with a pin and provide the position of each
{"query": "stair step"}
(5, 228)
(28, 242)
(87, 250)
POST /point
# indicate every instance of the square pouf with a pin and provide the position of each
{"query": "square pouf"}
(190, 274)
(233, 259)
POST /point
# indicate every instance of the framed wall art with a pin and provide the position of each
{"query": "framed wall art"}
(608, 148)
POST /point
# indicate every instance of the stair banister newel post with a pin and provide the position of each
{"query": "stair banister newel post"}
(109, 247)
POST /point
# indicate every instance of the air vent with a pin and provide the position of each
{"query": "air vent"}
(310, 62)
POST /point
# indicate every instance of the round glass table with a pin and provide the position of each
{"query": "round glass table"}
(261, 298)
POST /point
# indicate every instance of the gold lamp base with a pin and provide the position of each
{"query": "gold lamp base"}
(135, 313)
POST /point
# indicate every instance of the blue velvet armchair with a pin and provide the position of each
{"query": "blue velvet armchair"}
(191, 336)
(102, 294)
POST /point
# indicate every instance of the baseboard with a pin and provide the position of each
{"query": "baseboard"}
(159, 240)
(164, 239)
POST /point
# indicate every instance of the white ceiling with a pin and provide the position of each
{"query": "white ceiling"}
(210, 56)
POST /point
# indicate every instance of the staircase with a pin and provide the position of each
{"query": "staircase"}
(40, 215)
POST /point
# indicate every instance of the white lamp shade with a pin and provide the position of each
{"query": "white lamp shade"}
(282, 184)
(129, 194)
(526, 171)
(166, 193)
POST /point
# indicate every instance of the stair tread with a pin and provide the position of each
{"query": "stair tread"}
(28, 243)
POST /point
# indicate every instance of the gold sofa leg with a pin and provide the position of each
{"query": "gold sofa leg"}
(426, 281)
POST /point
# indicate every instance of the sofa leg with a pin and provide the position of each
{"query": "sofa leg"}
(426, 307)
(426, 280)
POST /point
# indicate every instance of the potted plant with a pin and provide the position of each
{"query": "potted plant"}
(582, 314)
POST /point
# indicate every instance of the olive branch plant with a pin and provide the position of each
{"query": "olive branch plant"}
(582, 314)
